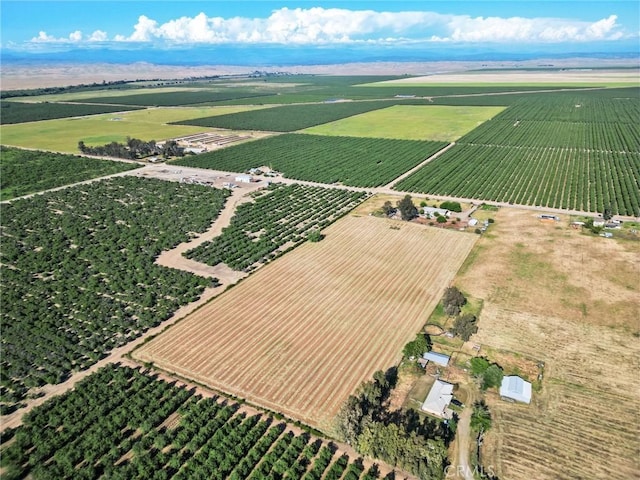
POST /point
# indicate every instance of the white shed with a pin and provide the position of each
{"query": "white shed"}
(515, 388)
(244, 179)
(437, 358)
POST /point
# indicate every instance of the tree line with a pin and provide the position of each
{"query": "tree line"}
(134, 149)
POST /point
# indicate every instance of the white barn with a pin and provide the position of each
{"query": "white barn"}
(515, 388)
(244, 179)
(438, 399)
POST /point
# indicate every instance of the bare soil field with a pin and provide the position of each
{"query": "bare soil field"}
(571, 301)
(302, 333)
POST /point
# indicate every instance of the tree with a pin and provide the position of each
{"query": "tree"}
(452, 300)
(453, 206)
(388, 209)
(464, 326)
(492, 377)
(607, 213)
(407, 209)
(480, 417)
(314, 236)
(417, 347)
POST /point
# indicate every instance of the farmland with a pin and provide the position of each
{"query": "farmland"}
(121, 423)
(275, 223)
(410, 122)
(63, 135)
(24, 171)
(571, 152)
(301, 347)
(585, 331)
(87, 254)
(360, 162)
(549, 177)
(18, 112)
(176, 98)
(287, 118)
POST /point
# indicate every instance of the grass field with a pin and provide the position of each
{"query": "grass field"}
(302, 347)
(63, 135)
(410, 122)
(571, 301)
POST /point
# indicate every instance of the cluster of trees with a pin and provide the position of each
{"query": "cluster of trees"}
(488, 374)
(401, 437)
(79, 276)
(133, 149)
(28, 171)
(451, 206)
(115, 424)
(408, 211)
(417, 347)
(284, 215)
(464, 325)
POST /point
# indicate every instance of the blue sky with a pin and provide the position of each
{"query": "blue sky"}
(58, 25)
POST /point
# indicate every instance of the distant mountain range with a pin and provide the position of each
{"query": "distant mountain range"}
(269, 55)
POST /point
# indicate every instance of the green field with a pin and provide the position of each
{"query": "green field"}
(63, 135)
(410, 122)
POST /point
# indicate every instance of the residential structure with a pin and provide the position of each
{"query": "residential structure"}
(438, 399)
(437, 358)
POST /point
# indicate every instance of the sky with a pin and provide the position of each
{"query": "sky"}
(576, 25)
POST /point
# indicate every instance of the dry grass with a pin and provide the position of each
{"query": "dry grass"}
(573, 302)
(301, 334)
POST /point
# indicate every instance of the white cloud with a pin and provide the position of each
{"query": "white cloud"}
(305, 26)
(98, 36)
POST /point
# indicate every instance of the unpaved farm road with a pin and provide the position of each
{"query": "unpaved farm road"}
(462, 469)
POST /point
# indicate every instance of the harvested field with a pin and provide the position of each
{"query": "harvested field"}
(302, 333)
(571, 301)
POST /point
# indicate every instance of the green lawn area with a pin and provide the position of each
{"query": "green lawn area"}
(63, 135)
(410, 122)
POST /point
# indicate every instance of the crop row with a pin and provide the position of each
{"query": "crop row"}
(608, 137)
(360, 162)
(18, 112)
(116, 424)
(275, 223)
(27, 171)
(170, 99)
(287, 118)
(550, 177)
(78, 272)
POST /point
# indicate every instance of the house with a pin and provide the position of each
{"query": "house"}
(431, 212)
(473, 222)
(244, 179)
(438, 399)
(437, 358)
(515, 388)
(598, 223)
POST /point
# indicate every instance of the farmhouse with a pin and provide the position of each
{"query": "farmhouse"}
(431, 212)
(437, 358)
(515, 388)
(438, 399)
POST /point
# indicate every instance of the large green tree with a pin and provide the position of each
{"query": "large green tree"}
(407, 209)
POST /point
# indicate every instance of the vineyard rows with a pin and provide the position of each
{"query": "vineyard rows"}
(27, 171)
(18, 112)
(360, 162)
(274, 224)
(549, 177)
(120, 423)
(78, 273)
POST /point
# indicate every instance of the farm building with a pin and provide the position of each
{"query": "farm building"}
(438, 399)
(473, 222)
(431, 212)
(437, 358)
(515, 388)
(244, 179)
